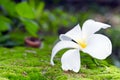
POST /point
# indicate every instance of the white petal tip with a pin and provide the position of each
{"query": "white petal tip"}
(71, 70)
(76, 71)
(78, 25)
(102, 58)
(52, 63)
(106, 26)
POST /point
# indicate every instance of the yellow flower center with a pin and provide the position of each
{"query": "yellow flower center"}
(82, 43)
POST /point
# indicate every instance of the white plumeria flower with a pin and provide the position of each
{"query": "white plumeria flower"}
(96, 45)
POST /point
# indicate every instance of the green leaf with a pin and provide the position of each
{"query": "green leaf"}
(31, 26)
(3, 18)
(32, 3)
(39, 9)
(24, 10)
(8, 6)
(4, 25)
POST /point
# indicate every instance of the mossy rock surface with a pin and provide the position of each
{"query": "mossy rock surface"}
(21, 63)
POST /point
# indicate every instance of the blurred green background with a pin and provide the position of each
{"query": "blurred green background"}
(46, 19)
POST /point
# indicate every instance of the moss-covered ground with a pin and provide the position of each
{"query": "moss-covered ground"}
(23, 63)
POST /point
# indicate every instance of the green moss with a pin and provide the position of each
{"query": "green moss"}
(23, 63)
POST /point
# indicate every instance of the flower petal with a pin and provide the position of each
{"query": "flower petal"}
(90, 26)
(74, 34)
(99, 46)
(71, 60)
(62, 45)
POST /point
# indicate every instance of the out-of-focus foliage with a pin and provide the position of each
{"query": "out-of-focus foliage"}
(31, 26)
(114, 36)
(33, 17)
(33, 14)
(24, 14)
(8, 7)
(20, 10)
(5, 25)
(24, 10)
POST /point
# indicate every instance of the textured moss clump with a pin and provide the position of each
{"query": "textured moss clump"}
(22, 63)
